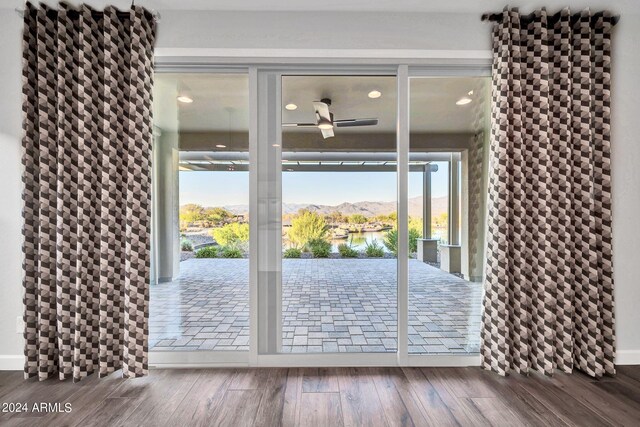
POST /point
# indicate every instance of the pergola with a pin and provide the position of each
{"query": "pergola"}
(330, 161)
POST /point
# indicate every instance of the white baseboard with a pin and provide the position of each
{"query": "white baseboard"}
(10, 362)
(628, 357)
(623, 357)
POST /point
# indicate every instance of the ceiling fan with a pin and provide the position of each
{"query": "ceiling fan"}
(325, 122)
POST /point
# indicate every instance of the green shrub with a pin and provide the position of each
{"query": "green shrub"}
(346, 250)
(391, 240)
(374, 249)
(414, 235)
(190, 213)
(207, 252)
(320, 248)
(292, 253)
(230, 234)
(216, 215)
(231, 252)
(415, 224)
(307, 226)
(186, 245)
(357, 219)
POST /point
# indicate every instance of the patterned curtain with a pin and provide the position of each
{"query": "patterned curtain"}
(87, 80)
(549, 289)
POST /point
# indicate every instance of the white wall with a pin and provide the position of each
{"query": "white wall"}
(625, 151)
(321, 30)
(10, 184)
(335, 31)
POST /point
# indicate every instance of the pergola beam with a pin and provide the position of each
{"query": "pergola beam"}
(317, 156)
(215, 167)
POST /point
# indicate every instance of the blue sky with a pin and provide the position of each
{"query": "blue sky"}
(325, 188)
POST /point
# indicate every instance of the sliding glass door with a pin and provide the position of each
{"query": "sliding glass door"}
(318, 217)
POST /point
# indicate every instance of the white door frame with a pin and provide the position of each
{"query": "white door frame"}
(266, 200)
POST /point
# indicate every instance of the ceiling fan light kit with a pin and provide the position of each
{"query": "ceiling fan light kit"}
(325, 125)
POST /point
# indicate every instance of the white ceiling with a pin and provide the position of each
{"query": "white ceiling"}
(433, 102)
(349, 99)
(221, 102)
(433, 108)
(452, 6)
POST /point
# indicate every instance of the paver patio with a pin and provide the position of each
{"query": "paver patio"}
(329, 305)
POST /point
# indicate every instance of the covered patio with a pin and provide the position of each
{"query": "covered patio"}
(329, 305)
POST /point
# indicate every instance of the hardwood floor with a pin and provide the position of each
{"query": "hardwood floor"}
(328, 397)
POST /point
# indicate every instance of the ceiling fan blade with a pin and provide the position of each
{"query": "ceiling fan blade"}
(192, 167)
(355, 122)
(299, 125)
(322, 110)
(327, 133)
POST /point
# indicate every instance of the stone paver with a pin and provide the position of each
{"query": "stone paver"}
(329, 305)
(207, 308)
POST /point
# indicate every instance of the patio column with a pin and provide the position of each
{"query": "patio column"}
(166, 228)
(427, 247)
(426, 202)
(450, 254)
(165, 197)
(454, 201)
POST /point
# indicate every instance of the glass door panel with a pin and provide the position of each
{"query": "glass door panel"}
(199, 300)
(448, 142)
(339, 210)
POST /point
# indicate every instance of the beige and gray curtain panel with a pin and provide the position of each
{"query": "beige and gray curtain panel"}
(549, 287)
(87, 81)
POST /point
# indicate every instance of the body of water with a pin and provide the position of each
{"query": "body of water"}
(360, 240)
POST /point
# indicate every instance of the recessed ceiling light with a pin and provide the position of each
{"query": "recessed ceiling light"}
(291, 107)
(221, 146)
(463, 101)
(375, 94)
(185, 99)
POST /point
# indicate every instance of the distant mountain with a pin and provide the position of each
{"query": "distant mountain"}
(438, 205)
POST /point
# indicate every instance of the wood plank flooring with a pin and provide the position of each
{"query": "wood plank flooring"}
(319, 397)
